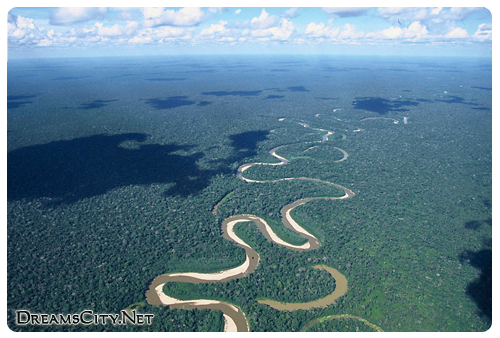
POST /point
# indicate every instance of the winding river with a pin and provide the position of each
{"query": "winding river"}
(235, 319)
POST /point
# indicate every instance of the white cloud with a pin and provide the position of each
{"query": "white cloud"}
(263, 21)
(162, 25)
(171, 32)
(393, 32)
(346, 12)
(350, 32)
(437, 20)
(23, 32)
(116, 29)
(215, 10)
(239, 24)
(152, 12)
(124, 15)
(291, 13)
(140, 39)
(421, 14)
(321, 31)
(44, 43)
(415, 31)
(458, 13)
(436, 10)
(161, 34)
(457, 33)
(66, 16)
(215, 29)
(388, 12)
(281, 32)
(407, 13)
(484, 32)
(189, 16)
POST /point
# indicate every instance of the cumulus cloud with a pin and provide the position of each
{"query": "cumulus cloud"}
(458, 13)
(346, 12)
(215, 10)
(189, 16)
(321, 31)
(438, 20)
(219, 28)
(140, 39)
(161, 25)
(390, 12)
(66, 16)
(116, 29)
(161, 34)
(23, 32)
(484, 32)
(152, 12)
(291, 13)
(281, 32)
(410, 14)
(125, 13)
(393, 32)
(350, 32)
(169, 33)
(415, 31)
(436, 11)
(263, 21)
(457, 33)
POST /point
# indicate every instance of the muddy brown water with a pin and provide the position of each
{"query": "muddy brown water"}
(231, 310)
(340, 290)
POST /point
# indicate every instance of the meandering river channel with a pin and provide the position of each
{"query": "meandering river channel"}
(235, 319)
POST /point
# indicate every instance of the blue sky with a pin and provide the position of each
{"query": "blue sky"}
(118, 31)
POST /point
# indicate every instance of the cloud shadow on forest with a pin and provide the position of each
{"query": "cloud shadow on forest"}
(270, 97)
(169, 102)
(382, 106)
(234, 93)
(18, 101)
(326, 98)
(298, 89)
(70, 170)
(482, 88)
(246, 143)
(456, 99)
(96, 104)
(480, 290)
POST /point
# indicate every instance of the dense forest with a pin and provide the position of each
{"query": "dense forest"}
(113, 176)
